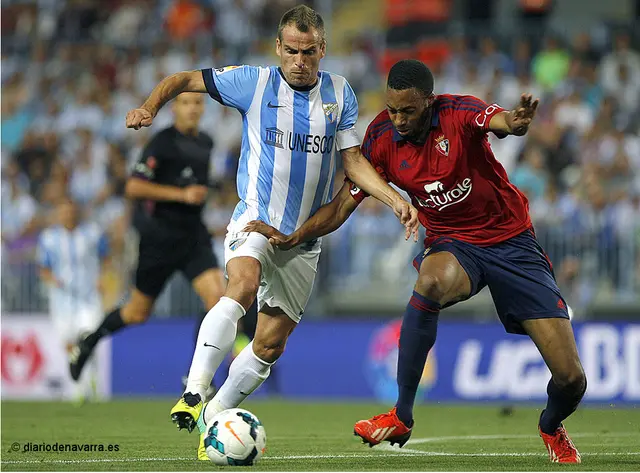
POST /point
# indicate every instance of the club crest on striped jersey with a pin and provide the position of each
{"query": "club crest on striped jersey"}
(442, 145)
(331, 111)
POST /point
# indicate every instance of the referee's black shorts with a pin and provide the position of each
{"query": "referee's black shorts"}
(162, 252)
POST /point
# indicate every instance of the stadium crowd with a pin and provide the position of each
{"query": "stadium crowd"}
(72, 69)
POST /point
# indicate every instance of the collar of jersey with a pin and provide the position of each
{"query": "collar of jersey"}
(435, 120)
(306, 88)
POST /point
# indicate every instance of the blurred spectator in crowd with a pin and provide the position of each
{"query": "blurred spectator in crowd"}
(531, 176)
(522, 58)
(551, 64)
(185, 19)
(19, 209)
(534, 15)
(491, 59)
(17, 112)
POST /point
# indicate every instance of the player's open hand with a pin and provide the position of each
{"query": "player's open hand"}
(139, 117)
(276, 237)
(523, 114)
(195, 194)
(408, 216)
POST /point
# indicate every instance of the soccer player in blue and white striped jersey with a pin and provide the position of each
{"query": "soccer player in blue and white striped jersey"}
(70, 256)
(294, 116)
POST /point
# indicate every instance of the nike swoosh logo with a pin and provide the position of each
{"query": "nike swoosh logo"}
(228, 426)
(270, 105)
(212, 346)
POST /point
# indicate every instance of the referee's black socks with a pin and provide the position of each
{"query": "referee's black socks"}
(111, 324)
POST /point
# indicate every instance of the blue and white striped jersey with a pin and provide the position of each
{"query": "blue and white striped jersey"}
(287, 163)
(74, 257)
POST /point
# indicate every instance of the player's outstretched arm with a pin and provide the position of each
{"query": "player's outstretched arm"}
(327, 219)
(517, 121)
(362, 173)
(168, 88)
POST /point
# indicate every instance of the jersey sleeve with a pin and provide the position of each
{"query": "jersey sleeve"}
(347, 136)
(370, 149)
(233, 86)
(147, 166)
(474, 114)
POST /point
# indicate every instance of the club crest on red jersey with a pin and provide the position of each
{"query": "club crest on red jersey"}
(442, 145)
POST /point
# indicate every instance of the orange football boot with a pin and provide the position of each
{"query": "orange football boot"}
(560, 447)
(383, 427)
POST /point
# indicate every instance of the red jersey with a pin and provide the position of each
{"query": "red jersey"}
(454, 180)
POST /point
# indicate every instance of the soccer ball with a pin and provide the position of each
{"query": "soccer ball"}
(235, 437)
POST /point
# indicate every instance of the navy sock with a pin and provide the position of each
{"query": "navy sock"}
(417, 336)
(111, 323)
(560, 405)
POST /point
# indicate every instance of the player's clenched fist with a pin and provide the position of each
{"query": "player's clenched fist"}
(195, 194)
(139, 117)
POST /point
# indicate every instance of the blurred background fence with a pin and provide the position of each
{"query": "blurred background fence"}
(71, 69)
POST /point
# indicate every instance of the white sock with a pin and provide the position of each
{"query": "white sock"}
(218, 332)
(246, 374)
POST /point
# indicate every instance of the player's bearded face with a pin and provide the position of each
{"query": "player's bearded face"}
(300, 54)
(409, 111)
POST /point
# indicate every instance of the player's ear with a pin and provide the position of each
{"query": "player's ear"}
(431, 99)
(323, 48)
(278, 47)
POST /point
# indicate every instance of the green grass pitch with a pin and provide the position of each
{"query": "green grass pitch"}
(314, 437)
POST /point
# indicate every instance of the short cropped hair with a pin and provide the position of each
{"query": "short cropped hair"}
(304, 18)
(410, 73)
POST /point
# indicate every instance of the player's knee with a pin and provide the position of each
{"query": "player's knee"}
(572, 381)
(244, 281)
(433, 287)
(268, 351)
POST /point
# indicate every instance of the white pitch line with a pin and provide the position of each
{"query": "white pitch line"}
(407, 452)
(280, 457)
(384, 448)
(521, 436)
(495, 454)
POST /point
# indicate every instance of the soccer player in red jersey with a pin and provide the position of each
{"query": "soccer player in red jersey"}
(478, 234)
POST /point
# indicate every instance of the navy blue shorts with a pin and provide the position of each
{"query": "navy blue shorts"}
(518, 273)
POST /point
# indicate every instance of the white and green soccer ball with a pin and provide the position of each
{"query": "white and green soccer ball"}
(235, 437)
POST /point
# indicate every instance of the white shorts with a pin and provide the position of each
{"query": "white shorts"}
(287, 276)
(70, 326)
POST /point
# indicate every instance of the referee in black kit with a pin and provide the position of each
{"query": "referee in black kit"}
(171, 180)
